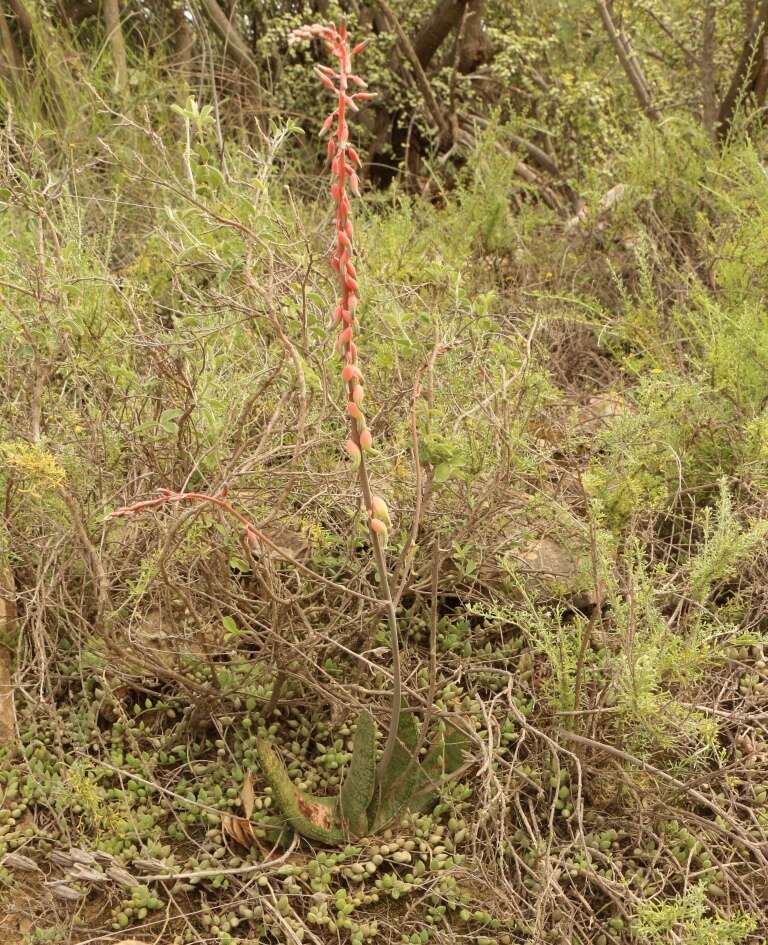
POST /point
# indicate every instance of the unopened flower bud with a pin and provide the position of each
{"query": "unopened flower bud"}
(358, 393)
(354, 452)
(380, 510)
(379, 528)
(354, 411)
(366, 440)
(350, 373)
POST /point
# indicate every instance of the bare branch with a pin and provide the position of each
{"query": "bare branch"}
(746, 77)
(111, 12)
(629, 63)
(418, 69)
(233, 41)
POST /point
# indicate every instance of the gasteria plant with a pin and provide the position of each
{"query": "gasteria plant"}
(372, 795)
(344, 160)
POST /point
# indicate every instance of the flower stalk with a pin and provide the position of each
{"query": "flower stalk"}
(349, 89)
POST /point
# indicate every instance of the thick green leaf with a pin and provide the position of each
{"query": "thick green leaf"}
(357, 790)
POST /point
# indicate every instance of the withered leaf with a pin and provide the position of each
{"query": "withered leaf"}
(81, 856)
(238, 829)
(62, 891)
(86, 873)
(119, 875)
(18, 861)
(60, 858)
(247, 796)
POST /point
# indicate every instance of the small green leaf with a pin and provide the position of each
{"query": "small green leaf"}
(443, 472)
(237, 564)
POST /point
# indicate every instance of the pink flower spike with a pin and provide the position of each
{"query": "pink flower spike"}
(366, 440)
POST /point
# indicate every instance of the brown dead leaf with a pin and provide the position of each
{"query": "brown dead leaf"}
(238, 829)
(247, 797)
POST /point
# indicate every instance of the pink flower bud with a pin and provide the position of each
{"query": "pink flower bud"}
(359, 48)
(351, 284)
(354, 184)
(379, 529)
(338, 314)
(354, 452)
(325, 80)
(380, 510)
(346, 336)
(358, 393)
(342, 237)
(351, 373)
(352, 301)
(354, 411)
(366, 440)
(327, 124)
(352, 350)
(331, 147)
